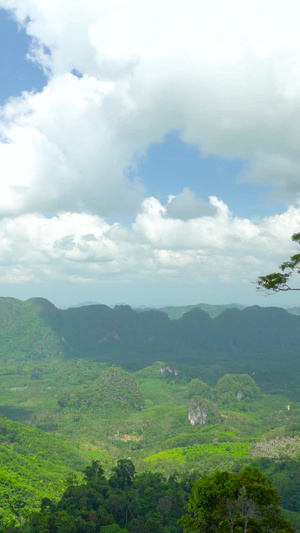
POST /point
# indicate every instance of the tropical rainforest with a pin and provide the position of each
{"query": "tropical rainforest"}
(110, 418)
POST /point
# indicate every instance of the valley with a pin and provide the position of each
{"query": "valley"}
(191, 395)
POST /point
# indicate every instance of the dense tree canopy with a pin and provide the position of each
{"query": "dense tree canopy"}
(125, 502)
(279, 281)
(244, 502)
(235, 502)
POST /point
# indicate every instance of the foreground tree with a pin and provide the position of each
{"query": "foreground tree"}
(235, 502)
(279, 281)
(126, 502)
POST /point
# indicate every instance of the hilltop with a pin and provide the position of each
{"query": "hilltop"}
(175, 312)
(190, 394)
(264, 341)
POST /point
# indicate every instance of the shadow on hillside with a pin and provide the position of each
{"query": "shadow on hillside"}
(18, 414)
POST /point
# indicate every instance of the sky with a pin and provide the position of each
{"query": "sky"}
(149, 152)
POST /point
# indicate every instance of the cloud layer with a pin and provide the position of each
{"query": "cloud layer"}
(84, 248)
(120, 77)
(225, 76)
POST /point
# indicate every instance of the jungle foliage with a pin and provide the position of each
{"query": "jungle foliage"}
(150, 503)
(108, 423)
(235, 502)
(102, 384)
(123, 502)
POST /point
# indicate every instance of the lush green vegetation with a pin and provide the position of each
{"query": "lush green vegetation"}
(150, 503)
(235, 502)
(200, 452)
(123, 502)
(82, 402)
(63, 407)
(33, 465)
(259, 341)
(115, 391)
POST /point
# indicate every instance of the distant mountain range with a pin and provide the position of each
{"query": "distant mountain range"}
(261, 340)
(177, 311)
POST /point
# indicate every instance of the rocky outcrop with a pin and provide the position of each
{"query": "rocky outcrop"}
(164, 369)
(202, 412)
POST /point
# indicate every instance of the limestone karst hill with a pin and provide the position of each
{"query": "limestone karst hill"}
(262, 341)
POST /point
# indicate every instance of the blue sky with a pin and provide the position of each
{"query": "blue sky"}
(168, 171)
(171, 165)
(17, 73)
(168, 166)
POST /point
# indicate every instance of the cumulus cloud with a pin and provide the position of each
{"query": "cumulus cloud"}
(186, 206)
(61, 152)
(121, 75)
(84, 248)
(225, 76)
(268, 169)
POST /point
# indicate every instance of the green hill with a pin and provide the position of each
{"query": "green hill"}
(116, 391)
(34, 465)
(175, 312)
(259, 341)
(101, 383)
(28, 329)
(94, 412)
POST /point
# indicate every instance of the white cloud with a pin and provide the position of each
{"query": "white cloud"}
(225, 75)
(270, 169)
(186, 206)
(61, 152)
(208, 249)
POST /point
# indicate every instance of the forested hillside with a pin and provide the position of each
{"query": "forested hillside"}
(188, 396)
(256, 340)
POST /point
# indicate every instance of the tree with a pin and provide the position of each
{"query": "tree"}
(123, 474)
(236, 503)
(94, 472)
(279, 281)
